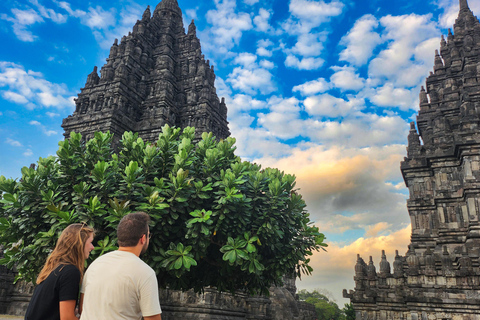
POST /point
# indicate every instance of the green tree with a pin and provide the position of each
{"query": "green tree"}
(349, 311)
(325, 308)
(216, 221)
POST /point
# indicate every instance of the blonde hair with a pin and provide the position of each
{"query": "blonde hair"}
(70, 249)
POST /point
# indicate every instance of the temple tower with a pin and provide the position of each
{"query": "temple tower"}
(156, 75)
(439, 277)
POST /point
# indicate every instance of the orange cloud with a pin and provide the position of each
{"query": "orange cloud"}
(334, 270)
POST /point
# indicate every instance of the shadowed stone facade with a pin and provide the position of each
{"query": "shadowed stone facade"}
(156, 75)
(439, 277)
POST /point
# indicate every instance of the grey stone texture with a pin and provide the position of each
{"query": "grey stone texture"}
(439, 277)
(156, 75)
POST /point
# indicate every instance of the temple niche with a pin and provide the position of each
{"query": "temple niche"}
(439, 277)
(155, 75)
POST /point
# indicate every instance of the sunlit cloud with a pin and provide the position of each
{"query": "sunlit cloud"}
(334, 269)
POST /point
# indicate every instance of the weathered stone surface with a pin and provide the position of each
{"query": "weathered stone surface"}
(439, 278)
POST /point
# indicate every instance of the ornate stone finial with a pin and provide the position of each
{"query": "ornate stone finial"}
(438, 61)
(192, 29)
(413, 262)
(446, 262)
(423, 96)
(414, 145)
(147, 14)
(384, 265)
(465, 263)
(168, 5)
(360, 267)
(397, 265)
(443, 43)
(464, 5)
(92, 78)
(430, 269)
(371, 271)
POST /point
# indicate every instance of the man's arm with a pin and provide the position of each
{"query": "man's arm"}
(80, 303)
(155, 317)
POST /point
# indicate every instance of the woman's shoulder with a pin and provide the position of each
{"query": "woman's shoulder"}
(67, 269)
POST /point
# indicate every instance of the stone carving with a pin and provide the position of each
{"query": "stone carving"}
(439, 277)
(158, 76)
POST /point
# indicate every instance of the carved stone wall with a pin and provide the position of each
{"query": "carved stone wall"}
(439, 277)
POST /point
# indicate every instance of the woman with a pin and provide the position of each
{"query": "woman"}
(55, 296)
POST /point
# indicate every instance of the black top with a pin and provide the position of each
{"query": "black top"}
(62, 284)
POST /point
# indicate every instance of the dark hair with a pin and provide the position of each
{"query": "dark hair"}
(131, 228)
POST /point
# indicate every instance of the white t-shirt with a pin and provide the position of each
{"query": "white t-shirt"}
(119, 285)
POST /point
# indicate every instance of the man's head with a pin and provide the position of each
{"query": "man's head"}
(132, 228)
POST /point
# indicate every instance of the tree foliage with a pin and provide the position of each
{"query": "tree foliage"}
(216, 221)
(326, 309)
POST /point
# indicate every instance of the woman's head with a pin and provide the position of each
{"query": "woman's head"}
(73, 247)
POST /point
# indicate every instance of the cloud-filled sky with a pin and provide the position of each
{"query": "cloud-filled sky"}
(321, 89)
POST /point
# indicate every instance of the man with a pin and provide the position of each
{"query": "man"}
(119, 285)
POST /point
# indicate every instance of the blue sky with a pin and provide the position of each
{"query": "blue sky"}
(321, 89)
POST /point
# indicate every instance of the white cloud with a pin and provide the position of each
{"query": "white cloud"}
(45, 131)
(283, 120)
(346, 78)
(303, 64)
(357, 129)
(21, 20)
(267, 64)
(326, 105)
(28, 153)
(14, 97)
(306, 15)
(404, 34)
(251, 2)
(389, 96)
(264, 52)
(312, 87)
(262, 48)
(12, 142)
(227, 27)
(52, 114)
(261, 20)
(97, 18)
(246, 59)
(309, 45)
(31, 89)
(252, 81)
(360, 41)
(49, 13)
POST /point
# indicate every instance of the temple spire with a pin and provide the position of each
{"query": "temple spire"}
(464, 5)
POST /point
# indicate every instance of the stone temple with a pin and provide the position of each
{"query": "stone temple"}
(156, 75)
(439, 277)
